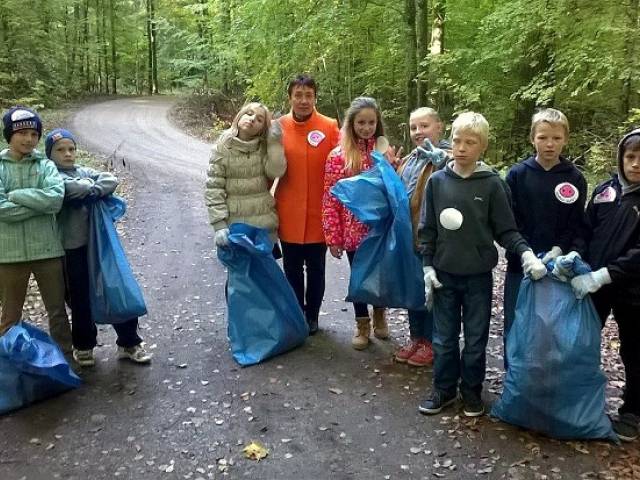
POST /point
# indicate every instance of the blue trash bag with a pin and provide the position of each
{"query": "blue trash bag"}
(32, 368)
(386, 270)
(554, 384)
(115, 296)
(264, 317)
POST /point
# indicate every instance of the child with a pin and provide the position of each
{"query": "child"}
(466, 209)
(362, 131)
(613, 251)
(424, 126)
(245, 160)
(82, 185)
(548, 195)
(31, 193)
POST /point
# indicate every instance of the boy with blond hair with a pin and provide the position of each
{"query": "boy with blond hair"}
(429, 154)
(548, 196)
(466, 209)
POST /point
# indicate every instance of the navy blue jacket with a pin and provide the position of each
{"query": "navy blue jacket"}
(548, 206)
(614, 238)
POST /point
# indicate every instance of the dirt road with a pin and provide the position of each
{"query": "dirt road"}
(323, 411)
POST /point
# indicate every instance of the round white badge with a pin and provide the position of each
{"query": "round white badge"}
(608, 195)
(451, 218)
(315, 137)
(566, 192)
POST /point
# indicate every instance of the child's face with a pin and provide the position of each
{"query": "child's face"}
(252, 123)
(23, 142)
(549, 139)
(425, 126)
(631, 165)
(63, 153)
(467, 148)
(365, 123)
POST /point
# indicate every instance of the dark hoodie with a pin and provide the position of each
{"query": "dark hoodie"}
(613, 218)
(483, 201)
(548, 206)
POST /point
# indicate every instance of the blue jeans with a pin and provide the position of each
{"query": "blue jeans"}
(512, 282)
(421, 324)
(462, 299)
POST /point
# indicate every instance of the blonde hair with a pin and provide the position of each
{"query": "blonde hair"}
(349, 140)
(425, 112)
(473, 123)
(232, 131)
(551, 116)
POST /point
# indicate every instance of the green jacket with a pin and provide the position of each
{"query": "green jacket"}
(31, 193)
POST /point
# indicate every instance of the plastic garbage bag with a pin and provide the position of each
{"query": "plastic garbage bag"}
(554, 384)
(32, 368)
(115, 296)
(386, 270)
(264, 317)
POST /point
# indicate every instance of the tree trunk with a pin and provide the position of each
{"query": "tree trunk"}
(86, 70)
(154, 47)
(412, 71)
(149, 49)
(437, 33)
(114, 64)
(98, 57)
(105, 55)
(630, 53)
(422, 49)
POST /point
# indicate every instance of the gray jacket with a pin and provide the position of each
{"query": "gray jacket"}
(238, 183)
(81, 184)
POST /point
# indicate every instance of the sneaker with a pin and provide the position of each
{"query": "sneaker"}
(436, 402)
(404, 353)
(136, 354)
(626, 427)
(472, 405)
(423, 356)
(84, 358)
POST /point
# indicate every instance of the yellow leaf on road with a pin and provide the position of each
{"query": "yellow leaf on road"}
(255, 451)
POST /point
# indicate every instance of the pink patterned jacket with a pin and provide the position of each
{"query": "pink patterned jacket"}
(341, 229)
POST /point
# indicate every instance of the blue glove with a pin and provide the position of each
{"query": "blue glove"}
(428, 153)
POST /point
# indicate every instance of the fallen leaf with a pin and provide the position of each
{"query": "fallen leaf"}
(255, 451)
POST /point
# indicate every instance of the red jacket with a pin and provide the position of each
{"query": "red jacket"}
(299, 192)
(341, 228)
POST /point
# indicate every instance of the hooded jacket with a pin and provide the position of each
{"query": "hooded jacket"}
(238, 182)
(613, 219)
(31, 193)
(481, 202)
(548, 206)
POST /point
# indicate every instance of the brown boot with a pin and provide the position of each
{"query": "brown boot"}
(380, 327)
(360, 338)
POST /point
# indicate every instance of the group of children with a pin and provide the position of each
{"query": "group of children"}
(44, 231)
(460, 206)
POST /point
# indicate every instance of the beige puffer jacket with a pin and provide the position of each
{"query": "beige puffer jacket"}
(239, 177)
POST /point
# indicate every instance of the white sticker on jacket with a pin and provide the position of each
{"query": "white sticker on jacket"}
(608, 195)
(566, 192)
(451, 218)
(315, 137)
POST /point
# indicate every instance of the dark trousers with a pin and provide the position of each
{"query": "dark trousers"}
(360, 309)
(628, 319)
(512, 281)
(462, 299)
(420, 324)
(309, 258)
(83, 330)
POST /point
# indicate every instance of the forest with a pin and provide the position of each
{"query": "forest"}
(503, 58)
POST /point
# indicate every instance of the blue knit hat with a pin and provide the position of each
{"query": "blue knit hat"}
(20, 118)
(53, 136)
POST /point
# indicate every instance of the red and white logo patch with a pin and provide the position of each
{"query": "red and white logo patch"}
(608, 195)
(315, 137)
(566, 192)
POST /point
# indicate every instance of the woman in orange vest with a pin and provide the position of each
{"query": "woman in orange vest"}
(307, 137)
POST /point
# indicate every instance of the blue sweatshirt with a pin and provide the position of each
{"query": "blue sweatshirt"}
(548, 206)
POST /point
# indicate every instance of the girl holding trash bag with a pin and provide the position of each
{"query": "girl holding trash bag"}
(245, 161)
(361, 134)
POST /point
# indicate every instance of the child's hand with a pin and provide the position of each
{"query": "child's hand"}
(431, 283)
(429, 153)
(532, 265)
(222, 237)
(275, 132)
(590, 282)
(394, 156)
(552, 254)
(336, 251)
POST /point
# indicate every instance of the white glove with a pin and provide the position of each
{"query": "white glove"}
(275, 132)
(431, 282)
(552, 254)
(559, 271)
(222, 237)
(532, 265)
(590, 282)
